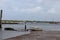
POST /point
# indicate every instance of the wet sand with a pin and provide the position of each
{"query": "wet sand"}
(39, 35)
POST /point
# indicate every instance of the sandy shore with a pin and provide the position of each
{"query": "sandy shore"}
(39, 35)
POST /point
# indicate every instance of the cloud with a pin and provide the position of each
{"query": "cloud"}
(3, 3)
(39, 1)
(21, 6)
(52, 10)
(38, 8)
(31, 10)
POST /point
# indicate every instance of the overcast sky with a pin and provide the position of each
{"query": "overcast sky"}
(43, 10)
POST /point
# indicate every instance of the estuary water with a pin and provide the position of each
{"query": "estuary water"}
(44, 26)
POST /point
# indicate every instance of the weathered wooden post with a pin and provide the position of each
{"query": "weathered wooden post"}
(0, 19)
(25, 26)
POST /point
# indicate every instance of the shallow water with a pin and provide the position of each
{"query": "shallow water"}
(44, 26)
(10, 34)
(0, 35)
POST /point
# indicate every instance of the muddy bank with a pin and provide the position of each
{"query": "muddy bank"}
(39, 35)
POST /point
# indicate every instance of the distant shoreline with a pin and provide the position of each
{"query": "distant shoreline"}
(10, 23)
(18, 21)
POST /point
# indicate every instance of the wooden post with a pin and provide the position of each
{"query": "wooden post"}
(25, 25)
(0, 19)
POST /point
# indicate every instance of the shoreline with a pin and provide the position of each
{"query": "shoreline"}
(39, 35)
(10, 23)
(11, 34)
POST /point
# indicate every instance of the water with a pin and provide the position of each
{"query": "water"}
(44, 26)
(0, 35)
(10, 34)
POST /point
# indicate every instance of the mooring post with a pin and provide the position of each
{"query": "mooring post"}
(0, 19)
(25, 25)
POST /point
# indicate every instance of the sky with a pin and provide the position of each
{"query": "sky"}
(40, 10)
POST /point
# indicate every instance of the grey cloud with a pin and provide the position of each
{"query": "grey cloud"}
(13, 8)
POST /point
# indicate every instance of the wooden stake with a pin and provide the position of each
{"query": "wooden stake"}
(0, 18)
(25, 26)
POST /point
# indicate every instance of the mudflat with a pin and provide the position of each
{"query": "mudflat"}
(38, 35)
